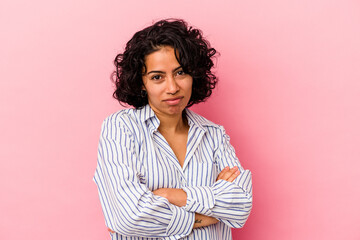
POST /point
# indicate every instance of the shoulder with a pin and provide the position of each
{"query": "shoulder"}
(121, 116)
(214, 133)
(203, 122)
(125, 120)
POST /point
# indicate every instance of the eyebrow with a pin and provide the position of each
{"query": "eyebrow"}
(164, 72)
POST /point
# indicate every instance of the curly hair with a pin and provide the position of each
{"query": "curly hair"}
(193, 53)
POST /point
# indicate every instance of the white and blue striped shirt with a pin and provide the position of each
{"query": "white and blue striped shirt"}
(134, 159)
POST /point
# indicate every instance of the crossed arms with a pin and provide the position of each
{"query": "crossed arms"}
(131, 209)
(178, 196)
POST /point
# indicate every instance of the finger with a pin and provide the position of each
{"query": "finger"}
(229, 173)
(110, 230)
(222, 173)
(234, 176)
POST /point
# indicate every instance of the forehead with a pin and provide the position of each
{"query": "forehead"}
(162, 59)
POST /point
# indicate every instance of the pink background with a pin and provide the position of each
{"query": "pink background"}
(289, 97)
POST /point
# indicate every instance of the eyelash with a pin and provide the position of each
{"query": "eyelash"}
(181, 72)
(158, 77)
(155, 77)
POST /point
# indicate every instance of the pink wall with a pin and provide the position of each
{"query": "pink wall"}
(289, 96)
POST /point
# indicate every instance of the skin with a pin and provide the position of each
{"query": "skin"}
(164, 80)
(178, 197)
(169, 90)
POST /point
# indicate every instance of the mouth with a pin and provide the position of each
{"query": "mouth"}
(173, 101)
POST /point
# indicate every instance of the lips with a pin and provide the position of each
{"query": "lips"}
(173, 101)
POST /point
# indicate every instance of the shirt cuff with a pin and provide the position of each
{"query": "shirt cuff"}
(200, 199)
(181, 223)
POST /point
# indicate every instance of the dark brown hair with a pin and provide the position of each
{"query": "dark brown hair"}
(194, 54)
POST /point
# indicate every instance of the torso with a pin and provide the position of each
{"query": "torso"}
(178, 144)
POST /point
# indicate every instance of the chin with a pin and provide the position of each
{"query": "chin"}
(176, 109)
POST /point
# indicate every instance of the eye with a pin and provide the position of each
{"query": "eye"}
(181, 72)
(156, 77)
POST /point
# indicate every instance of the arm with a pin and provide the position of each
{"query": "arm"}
(200, 221)
(129, 207)
(178, 197)
(203, 221)
(229, 202)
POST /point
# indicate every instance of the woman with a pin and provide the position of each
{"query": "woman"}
(163, 171)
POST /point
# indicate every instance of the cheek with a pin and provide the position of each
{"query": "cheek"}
(189, 86)
(153, 91)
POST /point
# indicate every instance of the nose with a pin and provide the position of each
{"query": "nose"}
(171, 86)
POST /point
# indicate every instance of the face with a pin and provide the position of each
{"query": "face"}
(168, 86)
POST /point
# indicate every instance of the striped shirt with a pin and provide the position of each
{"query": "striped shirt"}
(134, 159)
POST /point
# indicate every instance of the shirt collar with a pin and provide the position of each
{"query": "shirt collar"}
(147, 115)
(195, 120)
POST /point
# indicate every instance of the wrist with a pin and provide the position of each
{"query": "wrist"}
(175, 196)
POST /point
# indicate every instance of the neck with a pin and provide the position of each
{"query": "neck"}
(172, 124)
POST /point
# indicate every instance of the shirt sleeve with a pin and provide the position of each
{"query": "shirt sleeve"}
(229, 202)
(129, 207)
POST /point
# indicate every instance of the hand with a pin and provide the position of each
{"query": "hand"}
(110, 230)
(228, 174)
